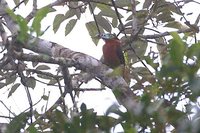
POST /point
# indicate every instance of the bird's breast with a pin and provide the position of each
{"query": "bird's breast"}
(110, 55)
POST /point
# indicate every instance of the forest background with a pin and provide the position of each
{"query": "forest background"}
(46, 77)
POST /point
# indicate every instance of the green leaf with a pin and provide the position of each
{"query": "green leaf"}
(31, 82)
(2, 85)
(105, 123)
(26, 1)
(70, 25)
(177, 48)
(11, 13)
(59, 18)
(16, 2)
(173, 115)
(41, 13)
(147, 4)
(162, 49)
(17, 123)
(151, 62)
(123, 3)
(43, 76)
(13, 89)
(23, 25)
(104, 23)
(45, 97)
(107, 11)
(83, 108)
(92, 29)
(141, 15)
(42, 67)
(34, 64)
(164, 14)
(118, 71)
(140, 47)
(70, 13)
(128, 128)
(76, 11)
(93, 5)
(174, 24)
(114, 22)
(10, 79)
(193, 50)
(32, 129)
(52, 81)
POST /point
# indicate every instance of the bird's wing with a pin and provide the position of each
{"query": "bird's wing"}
(120, 54)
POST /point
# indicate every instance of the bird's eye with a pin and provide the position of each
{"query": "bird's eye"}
(105, 36)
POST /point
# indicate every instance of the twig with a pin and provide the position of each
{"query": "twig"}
(61, 92)
(118, 16)
(33, 104)
(107, 4)
(196, 2)
(89, 89)
(186, 21)
(164, 34)
(43, 73)
(18, 5)
(135, 33)
(135, 30)
(95, 20)
(7, 108)
(47, 102)
(34, 4)
(59, 85)
(7, 117)
(141, 60)
(158, 43)
(24, 82)
(67, 81)
(32, 13)
(3, 35)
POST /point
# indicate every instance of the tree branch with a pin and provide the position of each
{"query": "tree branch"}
(166, 34)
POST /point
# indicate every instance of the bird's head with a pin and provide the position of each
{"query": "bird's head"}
(108, 36)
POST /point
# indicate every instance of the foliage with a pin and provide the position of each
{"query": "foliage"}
(165, 79)
(39, 16)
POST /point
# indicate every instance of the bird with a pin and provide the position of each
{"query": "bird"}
(113, 55)
(112, 51)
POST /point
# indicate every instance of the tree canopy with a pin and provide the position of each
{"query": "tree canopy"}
(160, 40)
